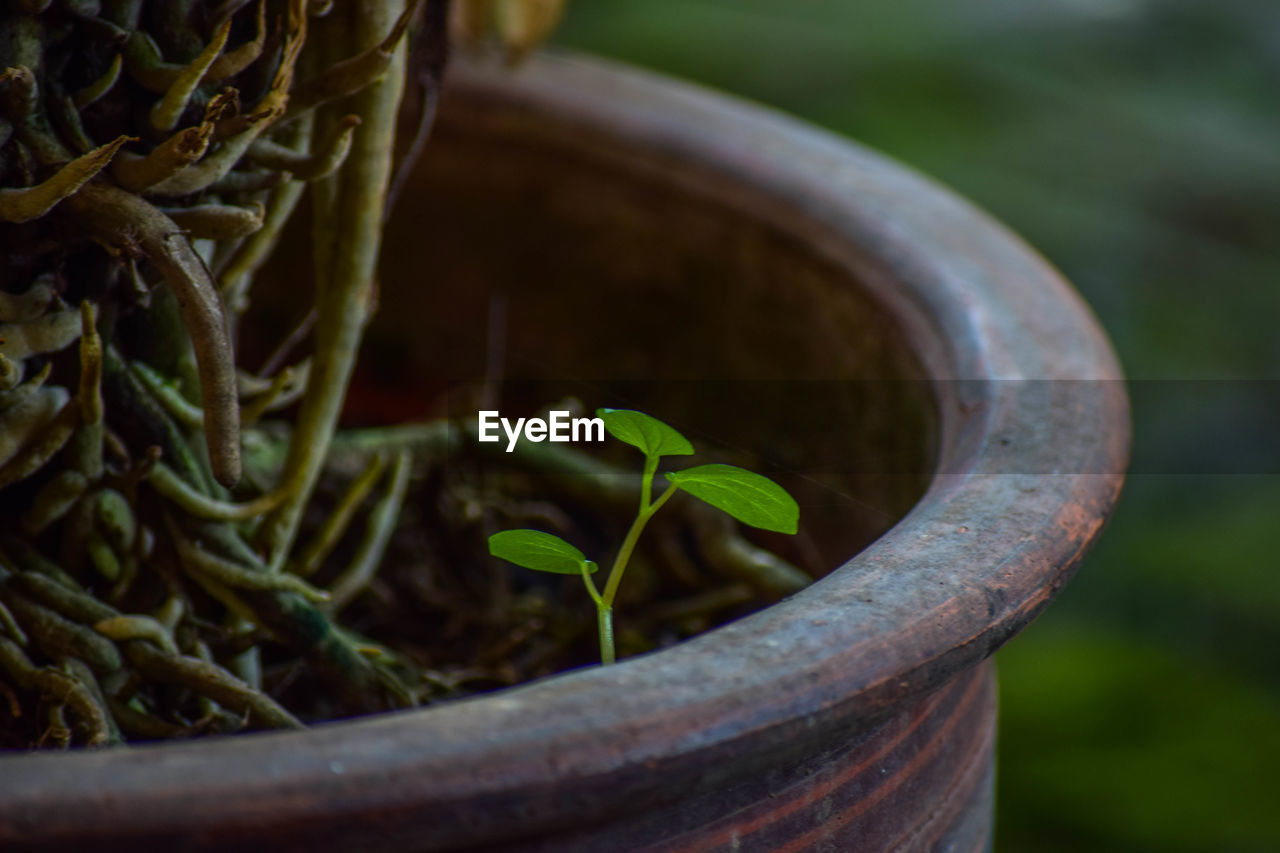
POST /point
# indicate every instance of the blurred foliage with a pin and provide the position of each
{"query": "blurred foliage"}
(1136, 143)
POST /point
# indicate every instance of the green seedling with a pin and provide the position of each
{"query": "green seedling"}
(748, 497)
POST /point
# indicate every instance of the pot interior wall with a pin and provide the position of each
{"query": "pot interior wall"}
(599, 282)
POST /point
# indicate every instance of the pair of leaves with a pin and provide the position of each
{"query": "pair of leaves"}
(748, 497)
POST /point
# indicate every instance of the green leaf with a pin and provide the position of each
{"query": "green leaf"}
(748, 497)
(539, 551)
(652, 436)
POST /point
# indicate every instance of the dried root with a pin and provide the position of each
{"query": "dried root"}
(150, 155)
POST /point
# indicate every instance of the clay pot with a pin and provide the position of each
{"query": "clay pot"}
(731, 256)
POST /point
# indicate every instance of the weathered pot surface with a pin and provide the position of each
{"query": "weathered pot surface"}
(856, 715)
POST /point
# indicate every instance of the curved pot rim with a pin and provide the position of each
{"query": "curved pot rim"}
(1035, 426)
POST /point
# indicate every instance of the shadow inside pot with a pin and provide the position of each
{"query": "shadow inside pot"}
(519, 275)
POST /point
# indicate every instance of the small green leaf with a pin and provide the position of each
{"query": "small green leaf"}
(539, 551)
(748, 497)
(652, 436)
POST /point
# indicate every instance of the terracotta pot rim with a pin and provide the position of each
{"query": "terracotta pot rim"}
(979, 556)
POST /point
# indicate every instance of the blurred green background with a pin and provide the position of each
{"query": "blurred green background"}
(1136, 143)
